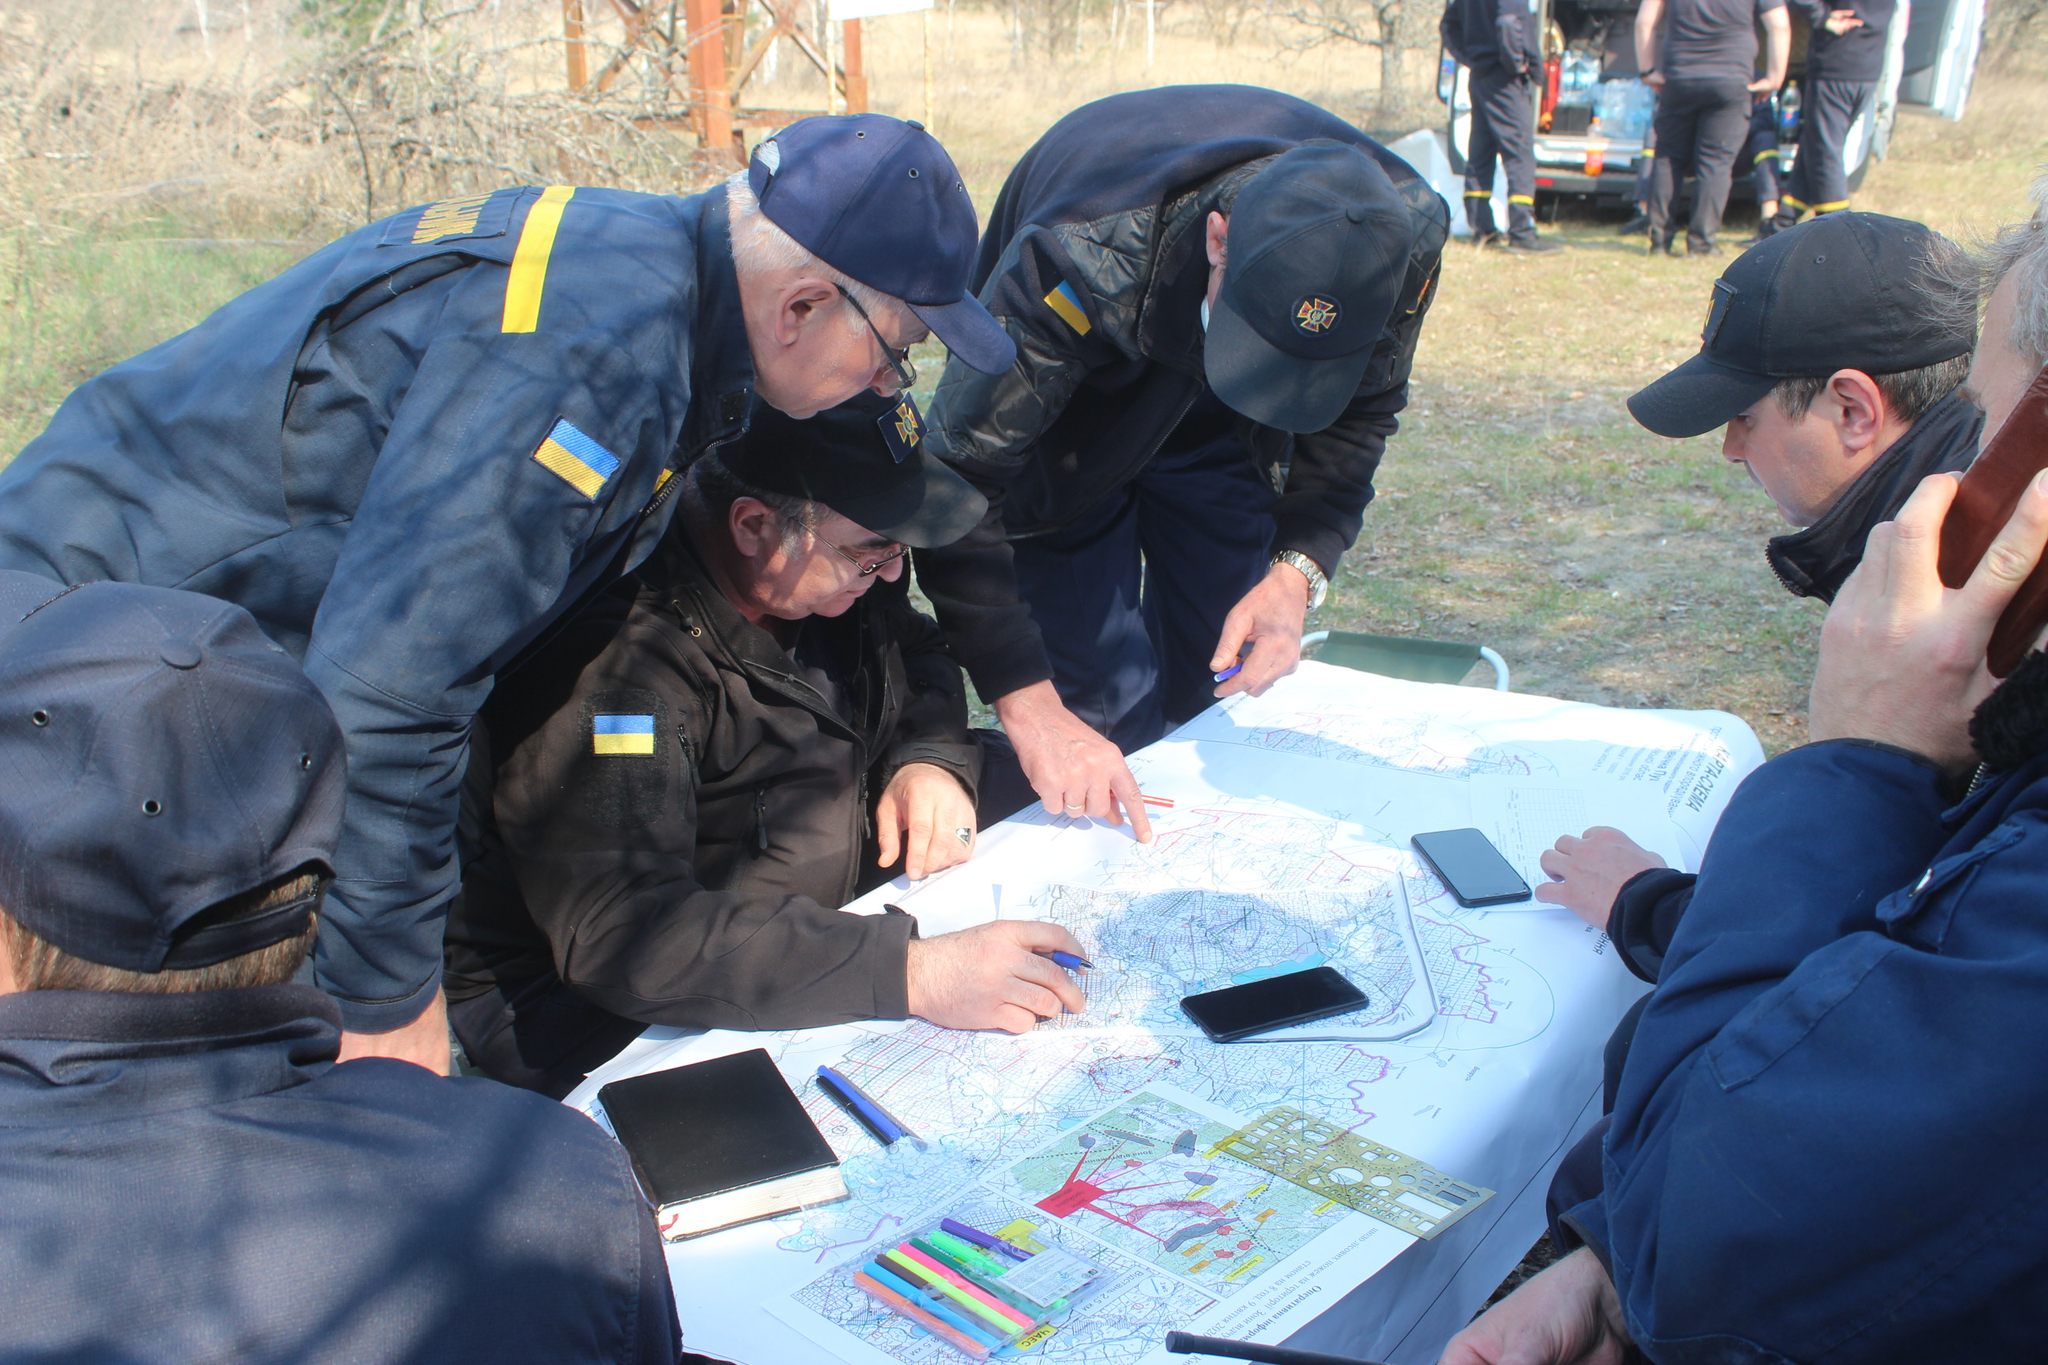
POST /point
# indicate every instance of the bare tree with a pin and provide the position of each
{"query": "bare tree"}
(1391, 26)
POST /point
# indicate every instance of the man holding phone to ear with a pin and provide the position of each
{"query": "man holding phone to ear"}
(1842, 999)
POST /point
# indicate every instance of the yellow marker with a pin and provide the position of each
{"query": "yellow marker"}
(904, 1265)
(530, 262)
(1323, 1207)
(1242, 1268)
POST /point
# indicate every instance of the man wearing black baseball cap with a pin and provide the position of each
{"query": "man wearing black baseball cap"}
(1834, 354)
(1215, 292)
(685, 780)
(187, 1174)
(412, 453)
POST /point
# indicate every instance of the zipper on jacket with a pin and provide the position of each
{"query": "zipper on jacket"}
(761, 819)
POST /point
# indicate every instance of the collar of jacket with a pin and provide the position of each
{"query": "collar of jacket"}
(682, 586)
(72, 1056)
(1816, 562)
(1170, 329)
(721, 362)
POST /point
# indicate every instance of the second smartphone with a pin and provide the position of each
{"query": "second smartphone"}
(1279, 1001)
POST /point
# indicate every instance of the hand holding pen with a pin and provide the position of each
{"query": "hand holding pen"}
(999, 975)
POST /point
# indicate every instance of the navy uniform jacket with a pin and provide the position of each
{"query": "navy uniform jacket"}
(1093, 262)
(1826, 1145)
(191, 1178)
(405, 456)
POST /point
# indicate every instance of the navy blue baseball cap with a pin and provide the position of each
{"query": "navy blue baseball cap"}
(1318, 251)
(878, 199)
(1838, 292)
(158, 755)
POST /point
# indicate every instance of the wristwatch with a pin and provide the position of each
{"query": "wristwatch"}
(1318, 582)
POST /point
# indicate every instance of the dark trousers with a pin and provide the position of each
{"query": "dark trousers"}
(1579, 1176)
(1760, 152)
(1646, 167)
(1700, 129)
(1131, 597)
(1818, 180)
(1503, 129)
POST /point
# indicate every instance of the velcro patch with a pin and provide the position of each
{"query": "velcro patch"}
(624, 736)
(576, 459)
(902, 428)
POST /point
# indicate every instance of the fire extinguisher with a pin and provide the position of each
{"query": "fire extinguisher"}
(1552, 70)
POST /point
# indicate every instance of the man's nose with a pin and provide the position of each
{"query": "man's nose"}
(893, 570)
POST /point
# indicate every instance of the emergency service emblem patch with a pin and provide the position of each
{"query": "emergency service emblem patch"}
(577, 460)
(1717, 312)
(1316, 315)
(622, 736)
(473, 215)
(902, 428)
(1067, 304)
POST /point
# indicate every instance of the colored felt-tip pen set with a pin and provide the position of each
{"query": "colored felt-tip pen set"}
(974, 1291)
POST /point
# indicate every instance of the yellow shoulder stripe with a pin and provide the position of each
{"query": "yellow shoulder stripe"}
(530, 262)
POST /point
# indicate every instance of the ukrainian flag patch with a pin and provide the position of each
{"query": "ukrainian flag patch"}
(1065, 302)
(576, 459)
(622, 735)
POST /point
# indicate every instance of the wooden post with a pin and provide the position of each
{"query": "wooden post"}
(572, 34)
(856, 78)
(706, 54)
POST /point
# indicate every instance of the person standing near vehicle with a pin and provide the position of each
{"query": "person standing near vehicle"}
(1760, 155)
(1843, 60)
(1701, 71)
(1216, 292)
(1501, 44)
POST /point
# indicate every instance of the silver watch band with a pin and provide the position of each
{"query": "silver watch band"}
(1318, 585)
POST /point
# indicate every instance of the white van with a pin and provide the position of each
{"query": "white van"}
(1592, 112)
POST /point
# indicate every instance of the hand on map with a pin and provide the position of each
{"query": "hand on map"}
(1591, 870)
(1568, 1315)
(991, 976)
(918, 818)
(1901, 654)
(1074, 770)
(1268, 618)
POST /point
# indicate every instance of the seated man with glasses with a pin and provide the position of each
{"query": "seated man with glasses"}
(665, 806)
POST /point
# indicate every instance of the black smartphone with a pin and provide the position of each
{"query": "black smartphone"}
(1467, 862)
(1261, 1006)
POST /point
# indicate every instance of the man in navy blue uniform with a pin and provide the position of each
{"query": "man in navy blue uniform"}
(1216, 292)
(187, 1174)
(1825, 1142)
(1844, 58)
(1500, 42)
(412, 452)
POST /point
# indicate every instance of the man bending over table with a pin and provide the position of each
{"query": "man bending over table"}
(1823, 1147)
(701, 767)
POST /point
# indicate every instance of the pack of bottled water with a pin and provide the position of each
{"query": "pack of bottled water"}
(1622, 109)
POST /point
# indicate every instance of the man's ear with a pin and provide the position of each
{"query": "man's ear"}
(755, 530)
(804, 304)
(1215, 237)
(1863, 408)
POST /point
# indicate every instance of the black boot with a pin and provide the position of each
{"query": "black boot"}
(1634, 227)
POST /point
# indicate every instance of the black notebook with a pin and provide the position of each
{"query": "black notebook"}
(720, 1143)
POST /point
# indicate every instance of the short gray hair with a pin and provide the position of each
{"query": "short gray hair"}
(760, 247)
(2017, 249)
(1909, 394)
(716, 488)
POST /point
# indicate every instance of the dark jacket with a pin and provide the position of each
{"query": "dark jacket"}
(356, 453)
(1492, 34)
(691, 885)
(191, 1178)
(1814, 562)
(1112, 202)
(1826, 1142)
(1857, 55)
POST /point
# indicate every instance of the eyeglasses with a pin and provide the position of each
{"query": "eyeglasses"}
(899, 361)
(866, 568)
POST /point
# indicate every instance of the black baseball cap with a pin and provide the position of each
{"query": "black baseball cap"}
(865, 460)
(158, 755)
(1318, 250)
(1839, 292)
(878, 199)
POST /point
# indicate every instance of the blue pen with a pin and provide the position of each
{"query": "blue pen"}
(1069, 961)
(935, 1304)
(871, 1115)
(1227, 674)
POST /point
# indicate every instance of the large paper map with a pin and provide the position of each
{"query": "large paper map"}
(1285, 842)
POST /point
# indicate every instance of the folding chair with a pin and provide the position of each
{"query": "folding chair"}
(1399, 656)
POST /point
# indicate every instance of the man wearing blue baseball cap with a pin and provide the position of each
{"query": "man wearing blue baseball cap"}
(1215, 291)
(417, 449)
(187, 1174)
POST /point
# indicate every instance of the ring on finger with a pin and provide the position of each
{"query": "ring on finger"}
(965, 834)
(1073, 806)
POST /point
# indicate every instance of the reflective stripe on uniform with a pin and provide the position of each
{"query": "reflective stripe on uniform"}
(1790, 202)
(1835, 207)
(530, 262)
(1771, 152)
(1521, 199)
(1479, 194)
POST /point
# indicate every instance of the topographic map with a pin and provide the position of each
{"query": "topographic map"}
(1152, 948)
(1405, 744)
